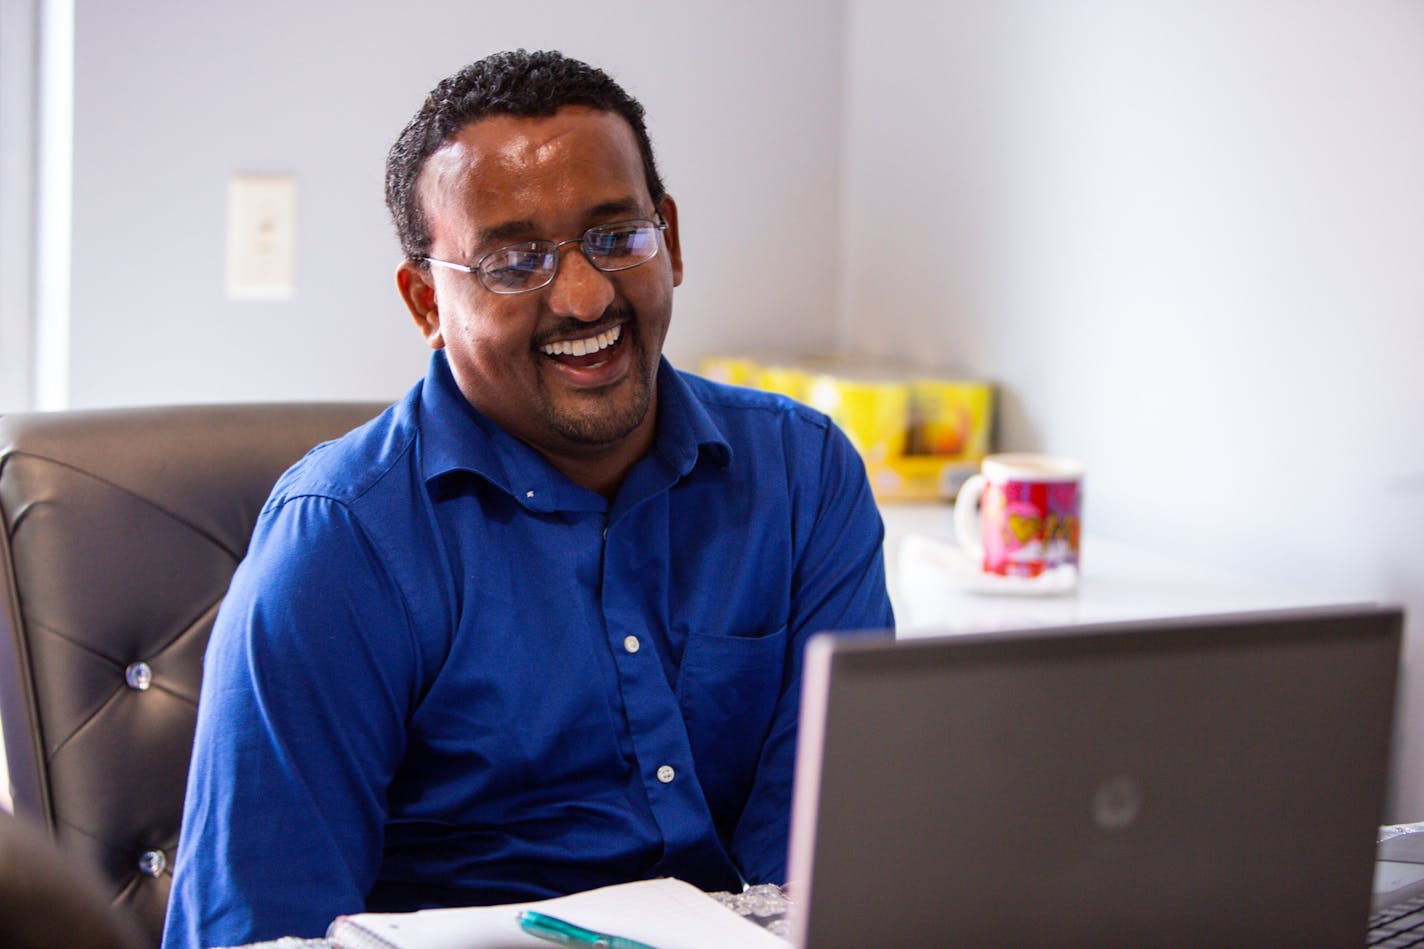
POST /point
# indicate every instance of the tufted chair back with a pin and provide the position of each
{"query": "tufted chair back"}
(119, 533)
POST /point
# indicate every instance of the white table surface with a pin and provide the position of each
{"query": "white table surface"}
(1116, 582)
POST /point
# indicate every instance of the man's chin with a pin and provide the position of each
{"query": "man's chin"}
(598, 429)
(604, 418)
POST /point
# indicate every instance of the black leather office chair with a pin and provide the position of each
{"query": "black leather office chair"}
(119, 533)
(47, 899)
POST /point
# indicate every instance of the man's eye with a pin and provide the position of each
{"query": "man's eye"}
(626, 240)
(516, 266)
(527, 260)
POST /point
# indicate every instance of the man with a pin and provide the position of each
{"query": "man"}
(538, 627)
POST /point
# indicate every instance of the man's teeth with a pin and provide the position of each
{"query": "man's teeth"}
(583, 347)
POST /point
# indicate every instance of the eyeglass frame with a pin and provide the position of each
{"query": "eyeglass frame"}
(660, 225)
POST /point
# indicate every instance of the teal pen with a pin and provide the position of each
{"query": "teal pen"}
(565, 933)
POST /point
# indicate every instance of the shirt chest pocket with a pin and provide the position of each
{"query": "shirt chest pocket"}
(727, 687)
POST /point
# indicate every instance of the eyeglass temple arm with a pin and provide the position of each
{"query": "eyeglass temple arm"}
(449, 265)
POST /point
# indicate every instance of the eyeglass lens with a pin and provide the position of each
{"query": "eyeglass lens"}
(609, 247)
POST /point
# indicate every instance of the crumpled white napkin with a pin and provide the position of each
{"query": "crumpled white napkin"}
(925, 560)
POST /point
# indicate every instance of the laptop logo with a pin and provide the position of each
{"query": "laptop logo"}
(1116, 804)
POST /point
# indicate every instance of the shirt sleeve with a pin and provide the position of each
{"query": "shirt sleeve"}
(308, 678)
(839, 584)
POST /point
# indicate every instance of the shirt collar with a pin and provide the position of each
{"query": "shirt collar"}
(455, 437)
(687, 433)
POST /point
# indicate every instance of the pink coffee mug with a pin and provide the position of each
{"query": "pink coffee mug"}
(1028, 520)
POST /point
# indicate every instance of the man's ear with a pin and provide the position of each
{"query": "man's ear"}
(417, 289)
(668, 207)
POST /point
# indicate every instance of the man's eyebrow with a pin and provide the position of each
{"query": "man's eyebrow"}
(506, 232)
(627, 205)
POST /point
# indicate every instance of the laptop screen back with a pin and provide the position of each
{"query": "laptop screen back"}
(1205, 781)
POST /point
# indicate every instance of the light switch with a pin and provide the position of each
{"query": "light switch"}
(261, 237)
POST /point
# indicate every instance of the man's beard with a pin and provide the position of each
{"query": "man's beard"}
(608, 417)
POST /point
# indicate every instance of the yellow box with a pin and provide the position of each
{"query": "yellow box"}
(874, 414)
(920, 434)
(785, 379)
(950, 418)
(918, 477)
(734, 370)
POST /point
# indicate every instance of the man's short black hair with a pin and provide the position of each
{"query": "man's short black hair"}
(517, 83)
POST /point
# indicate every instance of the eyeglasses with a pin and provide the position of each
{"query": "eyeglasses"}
(531, 265)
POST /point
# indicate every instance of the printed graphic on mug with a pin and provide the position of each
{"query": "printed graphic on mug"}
(1029, 518)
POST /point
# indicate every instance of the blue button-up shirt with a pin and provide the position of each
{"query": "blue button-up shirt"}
(445, 674)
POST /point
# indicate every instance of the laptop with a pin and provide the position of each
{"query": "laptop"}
(1206, 781)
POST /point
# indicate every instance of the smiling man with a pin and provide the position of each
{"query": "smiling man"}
(571, 371)
(538, 627)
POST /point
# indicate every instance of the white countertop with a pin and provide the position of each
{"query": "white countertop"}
(1116, 582)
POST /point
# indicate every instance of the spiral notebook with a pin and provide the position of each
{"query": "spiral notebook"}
(665, 913)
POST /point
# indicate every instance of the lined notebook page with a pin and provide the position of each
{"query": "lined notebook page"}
(664, 913)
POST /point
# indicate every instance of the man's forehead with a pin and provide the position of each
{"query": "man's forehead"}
(523, 141)
(493, 130)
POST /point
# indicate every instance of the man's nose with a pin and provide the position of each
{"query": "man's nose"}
(580, 290)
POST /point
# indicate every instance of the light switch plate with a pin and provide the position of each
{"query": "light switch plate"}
(262, 237)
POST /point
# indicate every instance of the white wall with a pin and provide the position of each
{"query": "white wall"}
(172, 97)
(1188, 240)
(19, 91)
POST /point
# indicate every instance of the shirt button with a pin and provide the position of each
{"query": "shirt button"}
(631, 643)
(666, 774)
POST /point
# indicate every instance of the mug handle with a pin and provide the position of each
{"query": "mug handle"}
(968, 528)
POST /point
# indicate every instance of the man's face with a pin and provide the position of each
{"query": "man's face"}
(501, 180)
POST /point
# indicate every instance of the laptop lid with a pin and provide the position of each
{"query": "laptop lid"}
(1197, 781)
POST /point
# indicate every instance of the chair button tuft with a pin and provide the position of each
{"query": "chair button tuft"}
(139, 676)
(153, 863)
